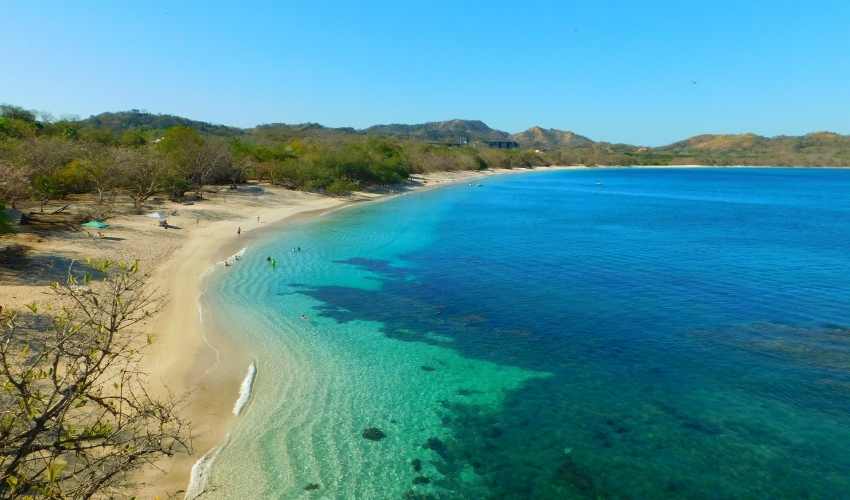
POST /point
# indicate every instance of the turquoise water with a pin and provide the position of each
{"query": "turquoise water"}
(577, 334)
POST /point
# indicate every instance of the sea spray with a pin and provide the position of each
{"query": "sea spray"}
(245, 389)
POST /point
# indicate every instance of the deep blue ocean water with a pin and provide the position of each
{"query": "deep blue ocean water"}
(599, 333)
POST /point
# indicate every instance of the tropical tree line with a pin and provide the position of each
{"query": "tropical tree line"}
(44, 159)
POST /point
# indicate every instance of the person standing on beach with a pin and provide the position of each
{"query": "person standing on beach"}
(239, 231)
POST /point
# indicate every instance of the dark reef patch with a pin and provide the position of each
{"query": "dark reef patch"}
(373, 434)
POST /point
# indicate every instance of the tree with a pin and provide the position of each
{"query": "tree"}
(14, 182)
(77, 417)
(182, 149)
(133, 138)
(46, 186)
(5, 227)
(17, 113)
(194, 162)
(141, 172)
(101, 168)
(42, 158)
(214, 165)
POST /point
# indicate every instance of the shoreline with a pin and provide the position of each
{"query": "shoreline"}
(190, 354)
(187, 355)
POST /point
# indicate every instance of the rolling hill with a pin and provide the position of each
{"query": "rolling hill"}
(451, 130)
(561, 146)
(125, 120)
(550, 138)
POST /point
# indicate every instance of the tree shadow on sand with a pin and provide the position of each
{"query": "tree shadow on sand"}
(20, 266)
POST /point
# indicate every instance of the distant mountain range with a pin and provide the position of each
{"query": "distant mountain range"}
(820, 148)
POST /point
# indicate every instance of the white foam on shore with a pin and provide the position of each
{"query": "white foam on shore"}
(233, 258)
(245, 389)
(200, 475)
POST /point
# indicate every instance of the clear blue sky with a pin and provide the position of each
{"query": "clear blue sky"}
(616, 71)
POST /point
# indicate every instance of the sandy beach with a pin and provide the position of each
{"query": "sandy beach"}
(188, 358)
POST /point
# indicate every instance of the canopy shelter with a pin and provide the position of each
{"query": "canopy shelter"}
(96, 224)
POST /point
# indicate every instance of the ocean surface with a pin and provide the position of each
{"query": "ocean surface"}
(600, 333)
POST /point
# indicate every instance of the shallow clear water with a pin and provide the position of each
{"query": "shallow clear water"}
(578, 334)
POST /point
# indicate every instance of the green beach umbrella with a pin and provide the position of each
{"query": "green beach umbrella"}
(95, 224)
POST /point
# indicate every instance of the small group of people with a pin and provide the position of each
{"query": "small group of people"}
(236, 258)
(273, 262)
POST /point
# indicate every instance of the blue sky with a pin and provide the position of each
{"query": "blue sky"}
(637, 72)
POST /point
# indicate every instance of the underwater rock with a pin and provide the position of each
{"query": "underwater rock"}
(603, 438)
(702, 427)
(417, 464)
(493, 432)
(573, 474)
(412, 495)
(437, 445)
(426, 368)
(421, 480)
(373, 434)
(675, 486)
(618, 427)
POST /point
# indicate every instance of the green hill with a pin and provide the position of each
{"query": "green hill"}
(819, 148)
(550, 138)
(445, 131)
(124, 120)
